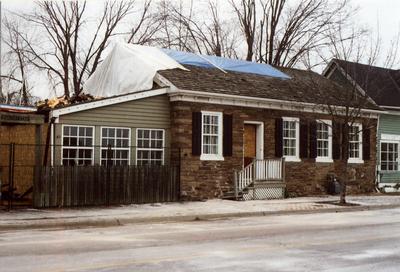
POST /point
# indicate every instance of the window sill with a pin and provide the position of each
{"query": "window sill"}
(324, 160)
(208, 157)
(292, 159)
(355, 161)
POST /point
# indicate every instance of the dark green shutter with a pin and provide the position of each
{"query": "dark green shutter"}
(227, 135)
(278, 137)
(313, 139)
(196, 133)
(303, 139)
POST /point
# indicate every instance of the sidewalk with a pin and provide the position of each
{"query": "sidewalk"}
(185, 211)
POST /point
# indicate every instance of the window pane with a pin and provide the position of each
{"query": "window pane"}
(66, 131)
(210, 134)
(148, 144)
(117, 139)
(73, 131)
(289, 138)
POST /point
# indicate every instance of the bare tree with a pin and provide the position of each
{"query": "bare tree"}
(361, 47)
(144, 30)
(70, 52)
(184, 30)
(284, 32)
(16, 63)
(246, 14)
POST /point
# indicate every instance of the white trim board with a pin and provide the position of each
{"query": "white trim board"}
(256, 102)
(106, 102)
(389, 137)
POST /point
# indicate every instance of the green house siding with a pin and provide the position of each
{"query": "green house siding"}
(152, 112)
(388, 124)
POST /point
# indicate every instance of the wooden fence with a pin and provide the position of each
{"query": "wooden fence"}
(69, 186)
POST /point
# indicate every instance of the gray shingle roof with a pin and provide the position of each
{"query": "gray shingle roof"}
(304, 86)
(381, 84)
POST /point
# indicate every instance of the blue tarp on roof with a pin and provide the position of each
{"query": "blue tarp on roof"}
(225, 63)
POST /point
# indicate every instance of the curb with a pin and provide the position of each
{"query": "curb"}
(114, 221)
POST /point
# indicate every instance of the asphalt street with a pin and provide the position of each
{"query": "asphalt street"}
(349, 241)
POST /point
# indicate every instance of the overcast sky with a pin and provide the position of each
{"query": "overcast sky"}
(373, 13)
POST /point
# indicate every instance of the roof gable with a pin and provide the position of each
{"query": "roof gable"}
(381, 84)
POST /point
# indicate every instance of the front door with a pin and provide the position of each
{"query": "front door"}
(249, 143)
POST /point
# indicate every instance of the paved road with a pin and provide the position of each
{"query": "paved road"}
(352, 241)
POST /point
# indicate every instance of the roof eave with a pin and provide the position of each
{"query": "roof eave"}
(248, 101)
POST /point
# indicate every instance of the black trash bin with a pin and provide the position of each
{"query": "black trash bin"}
(333, 186)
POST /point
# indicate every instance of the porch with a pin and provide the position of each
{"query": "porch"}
(261, 179)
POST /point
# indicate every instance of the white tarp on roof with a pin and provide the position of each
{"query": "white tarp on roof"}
(128, 68)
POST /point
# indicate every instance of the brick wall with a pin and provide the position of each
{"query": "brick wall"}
(209, 179)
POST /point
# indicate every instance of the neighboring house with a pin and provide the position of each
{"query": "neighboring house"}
(383, 86)
(217, 122)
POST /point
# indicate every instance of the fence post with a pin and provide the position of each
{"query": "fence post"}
(11, 175)
(108, 176)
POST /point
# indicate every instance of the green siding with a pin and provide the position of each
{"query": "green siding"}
(152, 112)
(388, 124)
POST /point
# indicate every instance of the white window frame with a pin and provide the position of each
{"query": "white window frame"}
(327, 159)
(116, 148)
(380, 155)
(162, 149)
(295, 158)
(76, 147)
(213, 157)
(359, 159)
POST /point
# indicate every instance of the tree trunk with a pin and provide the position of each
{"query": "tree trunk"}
(345, 157)
(343, 183)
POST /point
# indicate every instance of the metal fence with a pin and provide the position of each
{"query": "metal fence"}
(53, 176)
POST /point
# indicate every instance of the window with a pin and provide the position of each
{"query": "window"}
(150, 146)
(77, 147)
(115, 146)
(389, 156)
(291, 139)
(324, 141)
(211, 141)
(355, 143)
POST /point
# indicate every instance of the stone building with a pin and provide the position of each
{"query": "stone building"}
(222, 121)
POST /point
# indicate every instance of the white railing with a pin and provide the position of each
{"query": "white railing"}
(245, 176)
(268, 169)
(261, 170)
